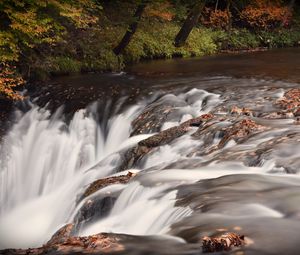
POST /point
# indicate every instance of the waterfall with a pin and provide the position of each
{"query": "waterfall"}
(47, 162)
(44, 166)
(44, 163)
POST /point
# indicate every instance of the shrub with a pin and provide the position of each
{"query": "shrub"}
(215, 18)
(63, 65)
(149, 43)
(239, 39)
(281, 38)
(266, 17)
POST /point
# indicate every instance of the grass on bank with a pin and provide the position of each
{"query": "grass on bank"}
(67, 37)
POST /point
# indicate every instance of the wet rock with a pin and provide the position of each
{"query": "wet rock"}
(217, 132)
(101, 183)
(94, 244)
(278, 115)
(98, 205)
(240, 130)
(165, 136)
(132, 156)
(241, 111)
(95, 208)
(108, 243)
(34, 251)
(61, 235)
(290, 100)
(151, 120)
(297, 112)
(156, 114)
(197, 122)
(135, 154)
(100, 243)
(224, 242)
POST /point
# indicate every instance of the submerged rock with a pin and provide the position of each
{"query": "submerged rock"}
(156, 114)
(151, 119)
(240, 130)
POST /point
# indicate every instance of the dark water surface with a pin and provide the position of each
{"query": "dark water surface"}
(146, 78)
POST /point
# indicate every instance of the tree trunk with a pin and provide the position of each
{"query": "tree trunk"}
(229, 25)
(191, 20)
(131, 29)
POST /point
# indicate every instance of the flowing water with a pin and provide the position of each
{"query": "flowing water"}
(187, 188)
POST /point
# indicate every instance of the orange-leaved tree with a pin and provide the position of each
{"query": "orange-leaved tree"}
(266, 15)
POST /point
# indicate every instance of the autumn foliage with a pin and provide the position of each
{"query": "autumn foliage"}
(215, 18)
(263, 15)
(160, 11)
(258, 14)
(30, 27)
(9, 79)
(41, 38)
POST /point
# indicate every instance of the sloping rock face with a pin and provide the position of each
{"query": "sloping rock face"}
(102, 183)
(99, 205)
(132, 156)
(240, 131)
(94, 208)
(61, 235)
(155, 114)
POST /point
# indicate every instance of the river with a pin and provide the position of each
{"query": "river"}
(237, 171)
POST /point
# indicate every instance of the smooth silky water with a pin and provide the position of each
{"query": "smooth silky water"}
(51, 154)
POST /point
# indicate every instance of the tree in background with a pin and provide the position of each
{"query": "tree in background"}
(190, 22)
(132, 28)
(30, 28)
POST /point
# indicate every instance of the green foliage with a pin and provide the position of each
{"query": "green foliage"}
(237, 39)
(281, 38)
(147, 43)
(49, 37)
(63, 65)
(9, 50)
(242, 39)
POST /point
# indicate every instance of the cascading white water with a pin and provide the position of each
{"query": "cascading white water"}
(46, 164)
(43, 167)
(141, 211)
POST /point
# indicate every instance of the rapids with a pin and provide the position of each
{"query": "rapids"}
(185, 189)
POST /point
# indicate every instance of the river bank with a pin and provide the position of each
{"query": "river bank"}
(43, 41)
